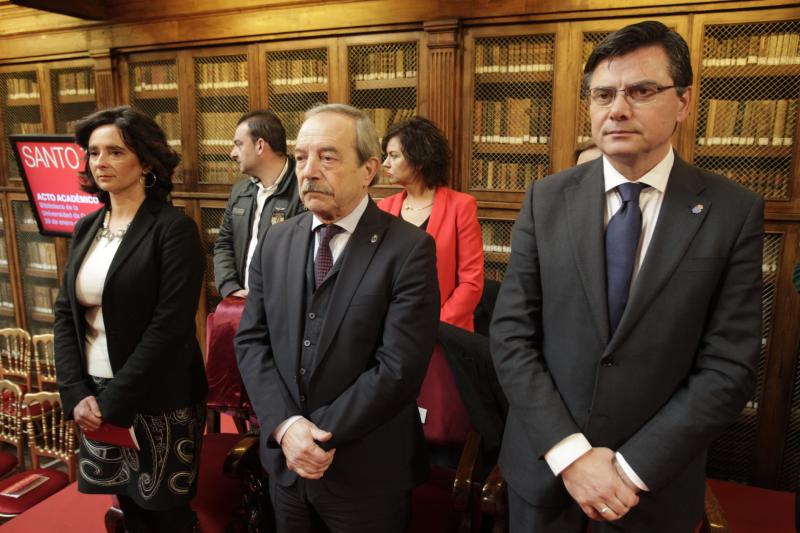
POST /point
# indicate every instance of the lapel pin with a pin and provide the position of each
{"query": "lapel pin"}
(697, 209)
(374, 238)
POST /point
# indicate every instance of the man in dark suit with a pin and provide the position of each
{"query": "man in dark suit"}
(267, 197)
(335, 339)
(628, 325)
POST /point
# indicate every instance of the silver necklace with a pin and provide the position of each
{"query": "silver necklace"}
(107, 234)
(411, 208)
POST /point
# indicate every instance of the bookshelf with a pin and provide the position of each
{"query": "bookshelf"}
(72, 94)
(20, 110)
(496, 235)
(747, 105)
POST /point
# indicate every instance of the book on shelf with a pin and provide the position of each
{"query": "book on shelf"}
(24, 485)
(111, 434)
(757, 49)
(41, 255)
(155, 77)
(748, 123)
(512, 121)
(75, 83)
(220, 172)
(22, 88)
(42, 299)
(513, 56)
(26, 128)
(171, 124)
(6, 296)
(297, 71)
(388, 65)
(495, 239)
(216, 129)
(222, 75)
(491, 174)
(771, 183)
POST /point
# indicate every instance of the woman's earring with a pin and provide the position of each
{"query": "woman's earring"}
(144, 177)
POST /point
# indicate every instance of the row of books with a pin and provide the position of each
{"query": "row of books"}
(763, 49)
(297, 71)
(41, 255)
(75, 83)
(6, 295)
(22, 88)
(399, 63)
(514, 56)
(43, 298)
(26, 127)
(171, 124)
(383, 117)
(159, 77)
(216, 129)
(3, 256)
(512, 121)
(222, 75)
(219, 172)
(770, 182)
(496, 237)
(749, 123)
(491, 174)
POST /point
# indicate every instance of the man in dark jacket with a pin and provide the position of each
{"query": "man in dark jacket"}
(267, 197)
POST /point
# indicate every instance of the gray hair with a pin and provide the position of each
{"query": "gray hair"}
(367, 143)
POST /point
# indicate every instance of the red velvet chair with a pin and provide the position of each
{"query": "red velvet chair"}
(11, 427)
(736, 508)
(51, 435)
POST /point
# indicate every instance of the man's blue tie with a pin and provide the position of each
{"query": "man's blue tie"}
(622, 241)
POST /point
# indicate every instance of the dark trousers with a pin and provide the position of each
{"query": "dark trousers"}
(137, 520)
(309, 507)
(527, 518)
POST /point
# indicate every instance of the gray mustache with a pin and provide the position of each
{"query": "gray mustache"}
(315, 186)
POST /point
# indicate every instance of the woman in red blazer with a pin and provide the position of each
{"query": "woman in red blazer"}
(417, 157)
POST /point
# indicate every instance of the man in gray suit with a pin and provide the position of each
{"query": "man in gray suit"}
(266, 197)
(628, 325)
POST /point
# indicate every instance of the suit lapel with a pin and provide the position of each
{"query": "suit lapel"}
(140, 226)
(299, 245)
(359, 252)
(585, 202)
(676, 227)
(438, 211)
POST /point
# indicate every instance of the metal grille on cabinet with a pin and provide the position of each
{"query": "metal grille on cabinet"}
(731, 455)
(383, 82)
(512, 110)
(154, 91)
(19, 96)
(749, 90)
(38, 265)
(496, 247)
(296, 81)
(590, 41)
(73, 96)
(221, 83)
(211, 220)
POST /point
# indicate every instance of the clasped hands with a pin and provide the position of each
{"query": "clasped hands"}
(303, 455)
(600, 486)
(87, 414)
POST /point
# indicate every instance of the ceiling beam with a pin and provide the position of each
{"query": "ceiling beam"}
(84, 9)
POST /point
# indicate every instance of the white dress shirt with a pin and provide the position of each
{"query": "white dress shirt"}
(574, 446)
(337, 245)
(261, 200)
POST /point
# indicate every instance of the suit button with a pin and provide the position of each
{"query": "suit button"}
(306, 343)
(607, 361)
(302, 371)
(302, 398)
(312, 316)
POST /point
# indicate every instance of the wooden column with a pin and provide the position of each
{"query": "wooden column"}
(444, 82)
(99, 42)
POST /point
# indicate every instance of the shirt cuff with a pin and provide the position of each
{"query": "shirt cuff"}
(566, 452)
(279, 431)
(630, 473)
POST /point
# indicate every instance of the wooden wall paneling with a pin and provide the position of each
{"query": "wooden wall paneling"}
(254, 81)
(46, 98)
(188, 119)
(444, 65)
(782, 348)
(565, 104)
(105, 89)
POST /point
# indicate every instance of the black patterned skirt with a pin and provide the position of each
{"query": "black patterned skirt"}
(162, 474)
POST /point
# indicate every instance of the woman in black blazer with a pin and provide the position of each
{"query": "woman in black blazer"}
(126, 347)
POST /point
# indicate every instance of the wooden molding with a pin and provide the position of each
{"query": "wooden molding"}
(85, 9)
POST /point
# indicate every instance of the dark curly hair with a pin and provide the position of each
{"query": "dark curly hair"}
(424, 146)
(640, 35)
(141, 135)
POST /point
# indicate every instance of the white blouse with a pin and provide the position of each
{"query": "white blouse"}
(89, 290)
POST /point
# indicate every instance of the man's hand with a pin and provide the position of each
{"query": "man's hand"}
(87, 414)
(241, 293)
(593, 482)
(299, 445)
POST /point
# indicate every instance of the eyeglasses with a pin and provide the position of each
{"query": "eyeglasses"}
(638, 93)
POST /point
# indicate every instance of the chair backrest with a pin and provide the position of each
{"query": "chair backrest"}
(15, 356)
(50, 434)
(44, 361)
(11, 427)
